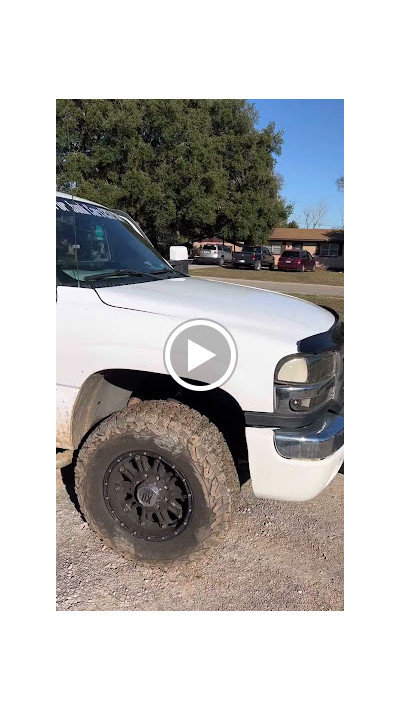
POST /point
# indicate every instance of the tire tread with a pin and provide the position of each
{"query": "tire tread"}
(208, 450)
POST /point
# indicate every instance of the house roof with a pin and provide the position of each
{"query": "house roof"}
(291, 234)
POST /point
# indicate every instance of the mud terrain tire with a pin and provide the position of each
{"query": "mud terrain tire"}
(193, 445)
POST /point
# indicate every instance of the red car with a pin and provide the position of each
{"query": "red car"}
(297, 260)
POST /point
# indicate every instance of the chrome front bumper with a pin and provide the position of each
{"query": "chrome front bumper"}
(316, 441)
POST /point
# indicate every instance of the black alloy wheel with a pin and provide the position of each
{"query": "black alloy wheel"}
(148, 496)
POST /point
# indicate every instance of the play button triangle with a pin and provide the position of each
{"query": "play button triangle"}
(197, 355)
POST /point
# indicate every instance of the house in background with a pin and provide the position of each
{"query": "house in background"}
(326, 246)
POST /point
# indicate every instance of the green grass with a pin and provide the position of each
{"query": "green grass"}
(320, 276)
(333, 302)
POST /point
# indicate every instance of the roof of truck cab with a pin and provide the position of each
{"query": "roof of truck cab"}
(75, 197)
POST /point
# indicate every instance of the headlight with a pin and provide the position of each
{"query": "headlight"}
(305, 382)
(294, 370)
(306, 369)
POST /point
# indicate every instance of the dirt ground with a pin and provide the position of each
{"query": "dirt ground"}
(277, 556)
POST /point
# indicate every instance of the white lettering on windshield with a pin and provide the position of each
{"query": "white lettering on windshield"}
(84, 209)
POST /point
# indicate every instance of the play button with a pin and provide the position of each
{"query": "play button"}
(197, 355)
(200, 354)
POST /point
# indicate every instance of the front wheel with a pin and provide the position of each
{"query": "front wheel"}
(157, 482)
(271, 267)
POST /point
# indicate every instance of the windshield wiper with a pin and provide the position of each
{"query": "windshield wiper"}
(121, 273)
(171, 271)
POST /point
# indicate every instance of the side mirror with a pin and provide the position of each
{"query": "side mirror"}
(178, 253)
(178, 257)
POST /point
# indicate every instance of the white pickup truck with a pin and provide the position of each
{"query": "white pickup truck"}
(160, 454)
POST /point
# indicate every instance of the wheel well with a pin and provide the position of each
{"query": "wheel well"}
(109, 391)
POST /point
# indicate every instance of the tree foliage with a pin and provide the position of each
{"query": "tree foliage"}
(340, 184)
(196, 168)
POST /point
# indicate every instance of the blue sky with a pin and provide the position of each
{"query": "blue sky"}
(312, 152)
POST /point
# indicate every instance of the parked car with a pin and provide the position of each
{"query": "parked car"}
(253, 258)
(297, 260)
(214, 254)
(157, 465)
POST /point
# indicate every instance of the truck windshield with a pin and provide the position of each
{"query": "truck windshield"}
(92, 241)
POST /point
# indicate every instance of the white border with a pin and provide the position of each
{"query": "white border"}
(240, 659)
(211, 324)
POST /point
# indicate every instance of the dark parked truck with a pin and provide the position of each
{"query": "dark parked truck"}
(253, 258)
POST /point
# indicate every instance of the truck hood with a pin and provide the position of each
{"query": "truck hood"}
(231, 305)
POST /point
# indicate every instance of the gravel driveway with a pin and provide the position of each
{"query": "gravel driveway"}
(277, 556)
